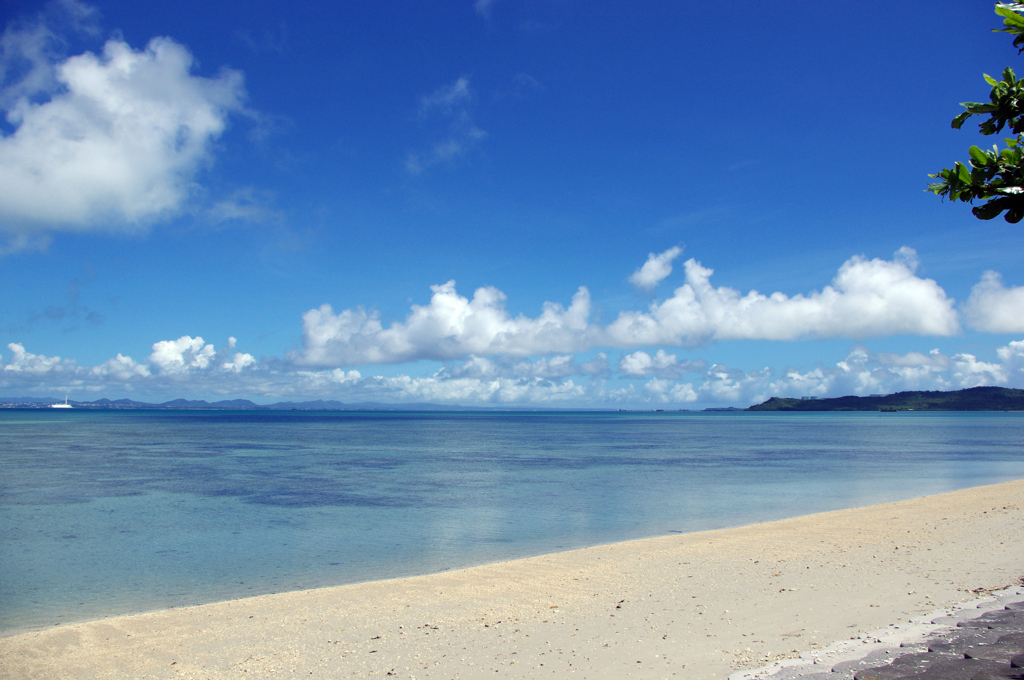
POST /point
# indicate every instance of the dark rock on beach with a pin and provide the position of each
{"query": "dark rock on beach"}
(1002, 651)
(986, 647)
(901, 666)
(1007, 619)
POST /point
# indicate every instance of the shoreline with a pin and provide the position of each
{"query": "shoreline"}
(701, 605)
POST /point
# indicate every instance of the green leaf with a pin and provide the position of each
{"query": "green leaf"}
(963, 173)
(1010, 18)
(990, 80)
(979, 157)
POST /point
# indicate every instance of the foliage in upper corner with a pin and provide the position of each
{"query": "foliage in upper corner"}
(994, 176)
(1013, 22)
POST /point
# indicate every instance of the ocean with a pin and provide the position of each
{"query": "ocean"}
(114, 512)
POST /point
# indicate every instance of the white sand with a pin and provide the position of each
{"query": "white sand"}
(700, 605)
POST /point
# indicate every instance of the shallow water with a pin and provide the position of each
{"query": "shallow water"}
(112, 512)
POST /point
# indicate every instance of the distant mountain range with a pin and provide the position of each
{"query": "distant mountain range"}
(972, 399)
(246, 405)
(229, 404)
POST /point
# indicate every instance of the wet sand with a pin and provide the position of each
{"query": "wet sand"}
(701, 605)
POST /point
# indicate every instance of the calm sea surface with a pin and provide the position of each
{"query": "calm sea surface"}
(112, 512)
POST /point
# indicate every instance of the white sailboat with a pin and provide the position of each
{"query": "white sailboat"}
(64, 405)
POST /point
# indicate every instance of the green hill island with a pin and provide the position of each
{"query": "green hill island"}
(973, 399)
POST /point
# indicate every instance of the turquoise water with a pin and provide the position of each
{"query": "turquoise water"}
(112, 512)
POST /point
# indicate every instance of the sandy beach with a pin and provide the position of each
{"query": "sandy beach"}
(701, 605)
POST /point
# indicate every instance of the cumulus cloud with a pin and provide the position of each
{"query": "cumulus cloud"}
(994, 308)
(862, 372)
(491, 356)
(867, 298)
(450, 327)
(666, 391)
(553, 367)
(186, 354)
(187, 362)
(181, 355)
(655, 269)
(472, 390)
(120, 368)
(662, 364)
(1012, 358)
(26, 363)
(191, 364)
(119, 136)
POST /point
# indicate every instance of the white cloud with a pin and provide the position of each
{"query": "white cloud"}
(655, 269)
(472, 390)
(186, 363)
(1012, 358)
(181, 355)
(27, 363)
(171, 357)
(662, 364)
(862, 373)
(666, 391)
(969, 372)
(189, 366)
(496, 358)
(867, 298)
(450, 327)
(117, 136)
(994, 308)
(553, 367)
(731, 386)
(120, 368)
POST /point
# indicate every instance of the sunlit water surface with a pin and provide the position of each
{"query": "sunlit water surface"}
(113, 512)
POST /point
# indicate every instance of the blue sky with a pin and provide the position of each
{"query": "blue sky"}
(497, 202)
